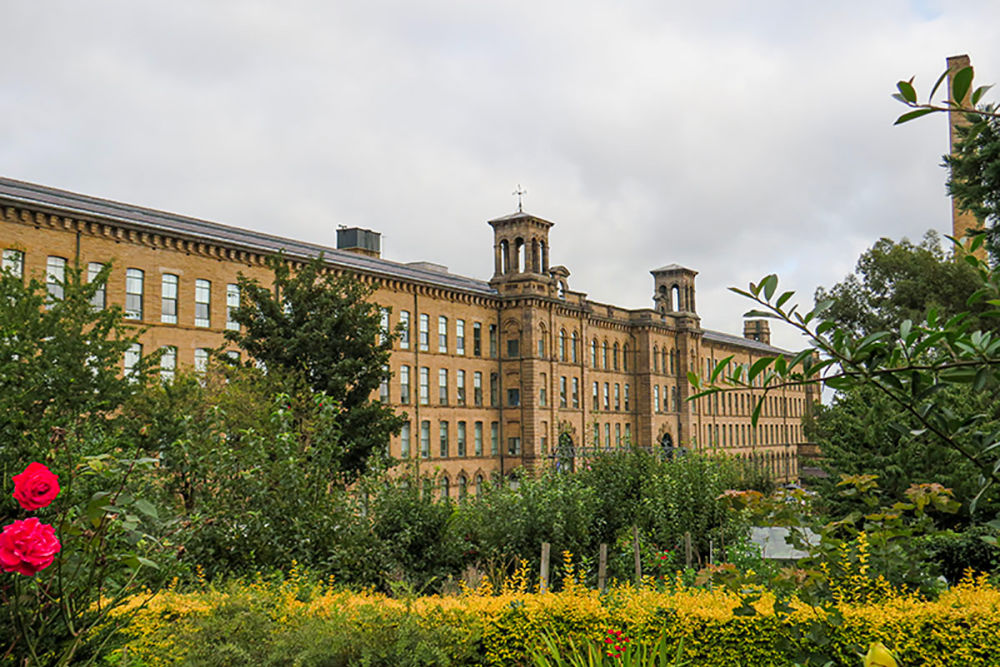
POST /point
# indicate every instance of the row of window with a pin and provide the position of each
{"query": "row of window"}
(444, 334)
(736, 403)
(466, 443)
(135, 290)
(620, 433)
(168, 360)
(744, 435)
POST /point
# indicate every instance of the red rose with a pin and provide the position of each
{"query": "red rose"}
(28, 546)
(36, 487)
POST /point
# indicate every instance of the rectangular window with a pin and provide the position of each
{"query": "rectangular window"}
(477, 339)
(443, 334)
(477, 388)
(618, 397)
(404, 330)
(461, 439)
(202, 303)
(513, 348)
(597, 434)
(493, 341)
(513, 446)
(514, 397)
(607, 396)
(444, 439)
(460, 387)
(626, 398)
(443, 386)
(576, 392)
(168, 363)
(168, 298)
(597, 396)
(13, 262)
(99, 299)
(404, 385)
(132, 356)
(618, 435)
(55, 278)
(543, 391)
(562, 392)
(383, 387)
(201, 360)
(656, 397)
(477, 439)
(459, 336)
(404, 441)
(607, 436)
(425, 332)
(425, 439)
(494, 438)
(425, 385)
(134, 279)
(232, 303)
(666, 405)
(494, 390)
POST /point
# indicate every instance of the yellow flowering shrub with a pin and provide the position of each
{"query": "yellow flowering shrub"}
(962, 627)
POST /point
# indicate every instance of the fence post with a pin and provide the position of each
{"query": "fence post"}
(687, 549)
(638, 556)
(602, 568)
(544, 569)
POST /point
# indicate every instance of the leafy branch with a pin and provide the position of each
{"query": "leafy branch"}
(960, 86)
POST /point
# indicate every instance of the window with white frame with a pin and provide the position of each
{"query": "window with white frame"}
(404, 441)
(131, 358)
(232, 303)
(168, 363)
(13, 262)
(201, 360)
(425, 332)
(425, 385)
(442, 334)
(168, 298)
(460, 387)
(202, 303)
(459, 336)
(99, 299)
(443, 386)
(404, 384)
(134, 283)
(404, 330)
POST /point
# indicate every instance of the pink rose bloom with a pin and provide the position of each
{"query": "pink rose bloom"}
(28, 546)
(36, 487)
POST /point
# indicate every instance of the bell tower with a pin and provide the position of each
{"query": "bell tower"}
(674, 290)
(520, 251)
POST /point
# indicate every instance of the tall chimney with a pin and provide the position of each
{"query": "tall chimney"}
(961, 220)
(758, 330)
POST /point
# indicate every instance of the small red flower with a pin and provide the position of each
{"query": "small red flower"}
(36, 487)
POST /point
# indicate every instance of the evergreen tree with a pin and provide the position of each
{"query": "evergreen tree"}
(322, 326)
(974, 178)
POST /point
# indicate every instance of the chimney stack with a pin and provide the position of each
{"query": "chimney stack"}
(758, 330)
(360, 241)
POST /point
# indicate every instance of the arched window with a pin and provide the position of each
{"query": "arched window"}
(505, 255)
(663, 360)
(562, 345)
(656, 359)
(445, 488)
(593, 353)
(463, 490)
(573, 348)
(625, 357)
(520, 263)
(479, 484)
(675, 298)
(614, 355)
(543, 343)
(604, 357)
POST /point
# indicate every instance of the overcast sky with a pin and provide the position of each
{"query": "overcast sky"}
(736, 138)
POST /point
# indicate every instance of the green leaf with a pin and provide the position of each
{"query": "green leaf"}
(910, 115)
(783, 298)
(758, 366)
(769, 283)
(146, 508)
(937, 84)
(960, 84)
(719, 367)
(907, 91)
(978, 93)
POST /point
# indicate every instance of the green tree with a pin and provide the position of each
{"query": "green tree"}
(974, 174)
(321, 325)
(60, 362)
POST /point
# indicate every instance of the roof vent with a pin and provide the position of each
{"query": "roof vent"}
(360, 241)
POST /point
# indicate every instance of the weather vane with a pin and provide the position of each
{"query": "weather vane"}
(519, 192)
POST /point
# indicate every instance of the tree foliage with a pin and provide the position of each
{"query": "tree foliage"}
(974, 174)
(322, 326)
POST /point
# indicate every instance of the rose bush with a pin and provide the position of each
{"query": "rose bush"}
(28, 546)
(36, 487)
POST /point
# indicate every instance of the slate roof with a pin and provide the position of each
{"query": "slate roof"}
(76, 205)
(730, 339)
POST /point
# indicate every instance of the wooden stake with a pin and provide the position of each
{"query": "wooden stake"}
(638, 556)
(544, 569)
(602, 568)
(687, 549)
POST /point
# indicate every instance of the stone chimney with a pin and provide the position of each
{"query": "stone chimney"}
(360, 241)
(758, 330)
(961, 220)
